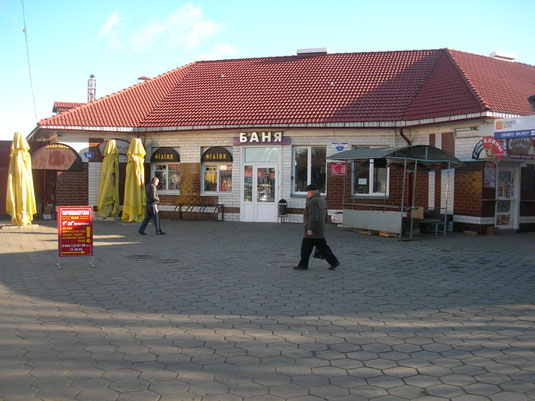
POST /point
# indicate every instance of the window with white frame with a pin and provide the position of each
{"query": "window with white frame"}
(217, 177)
(169, 176)
(309, 167)
(369, 177)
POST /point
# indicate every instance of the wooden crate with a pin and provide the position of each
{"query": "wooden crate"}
(386, 234)
(365, 232)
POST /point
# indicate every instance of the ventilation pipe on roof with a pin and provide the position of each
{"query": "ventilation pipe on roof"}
(142, 79)
(317, 51)
(501, 55)
(401, 134)
(91, 88)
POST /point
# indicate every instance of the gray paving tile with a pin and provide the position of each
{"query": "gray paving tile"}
(234, 325)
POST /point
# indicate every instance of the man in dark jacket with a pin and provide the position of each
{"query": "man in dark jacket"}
(314, 218)
(151, 209)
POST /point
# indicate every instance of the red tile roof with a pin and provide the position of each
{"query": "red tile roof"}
(347, 88)
(503, 86)
(60, 107)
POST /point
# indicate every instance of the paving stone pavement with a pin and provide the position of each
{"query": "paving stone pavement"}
(213, 311)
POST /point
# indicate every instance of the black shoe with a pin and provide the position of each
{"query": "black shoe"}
(298, 267)
(334, 266)
(160, 233)
(141, 233)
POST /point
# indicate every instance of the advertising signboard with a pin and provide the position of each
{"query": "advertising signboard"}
(488, 147)
(519, 127)
(75, 231)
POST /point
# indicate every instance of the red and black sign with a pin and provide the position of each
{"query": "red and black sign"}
(488, 147)
(75, 231)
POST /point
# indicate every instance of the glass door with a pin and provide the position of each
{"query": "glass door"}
(259, 193)
(49, 210)
(266, 209)
(505, 201)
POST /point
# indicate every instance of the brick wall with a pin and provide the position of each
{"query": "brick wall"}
(469, 189)
(471, 198)
(71, 187)
(190, 186)
(335, 190)
(448, 142)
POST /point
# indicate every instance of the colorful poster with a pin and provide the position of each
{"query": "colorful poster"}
(521, 148)
(75, 231)
(488, 147)
(489, 175)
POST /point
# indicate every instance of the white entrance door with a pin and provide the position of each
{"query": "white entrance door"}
(505, 198)
(260, 193)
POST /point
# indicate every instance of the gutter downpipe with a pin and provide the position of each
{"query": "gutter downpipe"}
(401, 134)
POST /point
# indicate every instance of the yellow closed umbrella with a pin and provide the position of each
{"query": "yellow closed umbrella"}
(134, 188)
(108, 195)
(20, 197)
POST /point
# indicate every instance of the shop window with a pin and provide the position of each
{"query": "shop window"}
(369, 177)
(309, 167)
(217, 177)
(169, 176)
(216, 170)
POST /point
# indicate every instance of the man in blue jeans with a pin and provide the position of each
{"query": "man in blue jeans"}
(314, 218)
(151, 209)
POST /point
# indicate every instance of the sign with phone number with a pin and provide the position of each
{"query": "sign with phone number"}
(75, 231)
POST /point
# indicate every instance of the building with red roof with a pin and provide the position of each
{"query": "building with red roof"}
(247, 133)
(60, 107)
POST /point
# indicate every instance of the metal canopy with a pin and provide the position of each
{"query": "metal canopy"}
(408, 157)
(429, 157)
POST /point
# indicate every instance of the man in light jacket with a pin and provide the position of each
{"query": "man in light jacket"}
(314, 218)
(151, 209)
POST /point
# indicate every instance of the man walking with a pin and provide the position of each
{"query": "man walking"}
(314, 218)
(151, 209)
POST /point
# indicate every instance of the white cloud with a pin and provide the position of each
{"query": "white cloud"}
(219, 52)
(110, 29)
(186, 27)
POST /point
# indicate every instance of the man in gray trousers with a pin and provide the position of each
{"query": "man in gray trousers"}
(314, 218)
(151, 210)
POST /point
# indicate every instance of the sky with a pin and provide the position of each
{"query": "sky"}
(121, 40)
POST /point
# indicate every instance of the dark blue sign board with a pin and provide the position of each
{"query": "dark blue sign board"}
(515, 134)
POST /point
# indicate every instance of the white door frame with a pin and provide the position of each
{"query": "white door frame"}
(515, 196)
(249, 210)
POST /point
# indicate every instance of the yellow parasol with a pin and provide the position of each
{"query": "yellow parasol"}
(108, 196)
(134, 188)
(20, 198)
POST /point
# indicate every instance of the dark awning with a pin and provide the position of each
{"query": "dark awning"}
(56, 156)
(165, 155)
(429, 157)
(216, 154)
